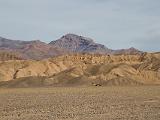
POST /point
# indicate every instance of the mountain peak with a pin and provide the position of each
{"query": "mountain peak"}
(76, 43)
(132, 48)
(71, 36)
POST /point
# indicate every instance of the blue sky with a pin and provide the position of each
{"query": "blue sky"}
(115, 23)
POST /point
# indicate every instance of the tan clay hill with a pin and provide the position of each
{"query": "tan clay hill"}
(82, 69)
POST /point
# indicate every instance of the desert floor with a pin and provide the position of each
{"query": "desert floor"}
(81, 103)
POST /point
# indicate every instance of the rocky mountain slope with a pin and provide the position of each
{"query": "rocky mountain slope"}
(30, 49)
(67, 44)
(130, 51)
(82, 69)
(80, 44)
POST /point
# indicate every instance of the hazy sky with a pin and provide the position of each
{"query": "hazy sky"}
(115, 23)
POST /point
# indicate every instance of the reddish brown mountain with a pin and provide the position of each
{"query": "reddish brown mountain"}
(30, 49)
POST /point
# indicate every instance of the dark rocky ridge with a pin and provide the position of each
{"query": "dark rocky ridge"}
(80, 44)
(75, 43)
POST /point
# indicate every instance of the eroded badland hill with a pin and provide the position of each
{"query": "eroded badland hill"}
(82, 69)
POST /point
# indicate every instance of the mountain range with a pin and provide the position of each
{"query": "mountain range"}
(74, 60)
(67, 44)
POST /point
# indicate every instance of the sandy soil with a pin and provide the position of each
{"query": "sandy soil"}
(83, 103)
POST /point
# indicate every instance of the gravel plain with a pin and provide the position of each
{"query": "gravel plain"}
(81, 103)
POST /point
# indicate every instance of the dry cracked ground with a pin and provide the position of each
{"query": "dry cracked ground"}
(80, 103)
